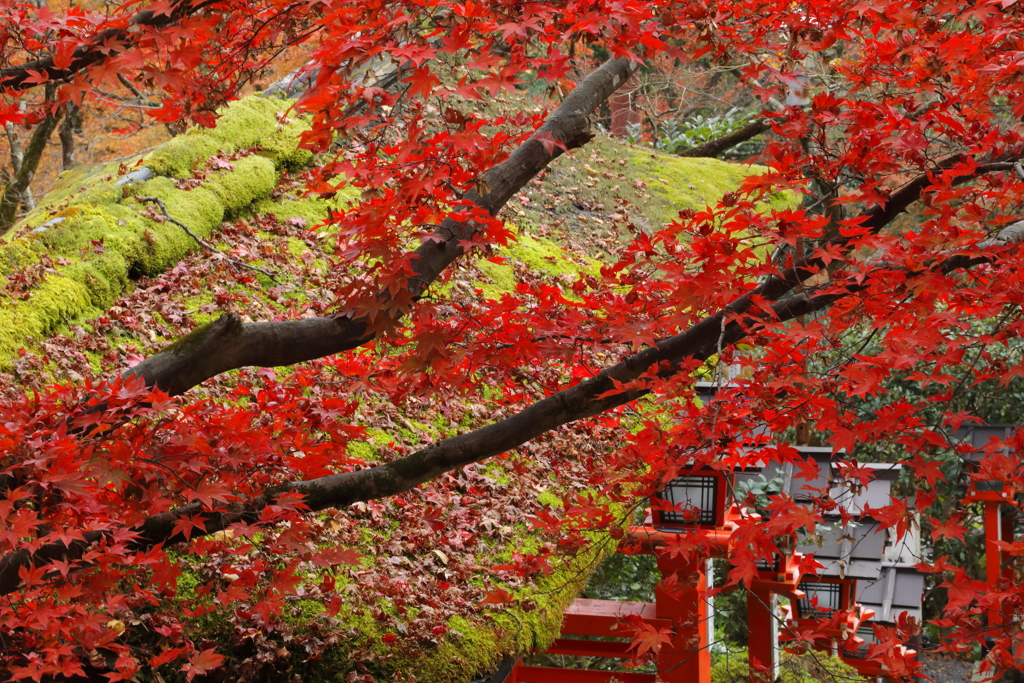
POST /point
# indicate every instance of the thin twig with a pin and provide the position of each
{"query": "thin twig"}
(203, 243)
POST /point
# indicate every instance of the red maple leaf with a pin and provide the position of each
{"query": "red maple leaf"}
(647, 639)
(202, 663)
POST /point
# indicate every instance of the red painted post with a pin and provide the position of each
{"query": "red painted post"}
(762, 636)
(993, 557)
(687, 659)
(1006, 535)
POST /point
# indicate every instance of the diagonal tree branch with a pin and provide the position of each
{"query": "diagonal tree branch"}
(598, 394)
(228, 344)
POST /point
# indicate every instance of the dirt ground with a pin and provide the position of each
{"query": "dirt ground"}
(941, 667)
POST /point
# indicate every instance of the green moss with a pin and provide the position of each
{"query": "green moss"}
(282, 144)
(363, 451)
(99, 238)
(252, 178)
(250, 122)
(177, 156)
(609, 180)
(550, 499)
(809, 668)
(677, 183)
(188, 583)
(379, 437)
(542, 255)
(305, 610)
(312, 209)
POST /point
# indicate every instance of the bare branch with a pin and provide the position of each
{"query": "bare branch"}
(712, 148)
(201, 242)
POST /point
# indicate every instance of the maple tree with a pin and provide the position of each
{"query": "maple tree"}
(909, 240)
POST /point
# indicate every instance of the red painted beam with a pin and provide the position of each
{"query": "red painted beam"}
(975, 496)
(993, 556)
(545, 674)
(1006, 535)
(763, 636)
(650, 538)
(599, 617)
(591, 648)
(687, 659)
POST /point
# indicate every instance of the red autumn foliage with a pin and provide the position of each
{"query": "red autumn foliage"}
(902, 269)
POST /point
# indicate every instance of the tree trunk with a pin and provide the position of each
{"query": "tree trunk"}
(15, 192)
(71, 127)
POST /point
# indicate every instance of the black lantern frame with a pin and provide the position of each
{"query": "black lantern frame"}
(832, 596)
(696, 498)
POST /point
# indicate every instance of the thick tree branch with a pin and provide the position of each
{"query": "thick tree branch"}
(228, 344)
(591, 397)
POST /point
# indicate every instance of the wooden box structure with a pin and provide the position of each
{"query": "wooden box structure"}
(899, 588)
(853, 549)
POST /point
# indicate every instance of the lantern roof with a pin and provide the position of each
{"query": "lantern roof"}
(855, 499)
(848, 551)
(898, 588)
(979, 436)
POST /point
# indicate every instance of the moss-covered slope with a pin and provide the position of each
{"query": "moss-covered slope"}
(76, 253)
(93, 277)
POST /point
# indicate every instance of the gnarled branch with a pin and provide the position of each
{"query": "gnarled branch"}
(26, 76)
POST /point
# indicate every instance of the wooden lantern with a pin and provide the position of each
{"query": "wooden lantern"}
(697, 497)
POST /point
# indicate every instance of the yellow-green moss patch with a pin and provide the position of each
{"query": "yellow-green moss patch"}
(91, 236)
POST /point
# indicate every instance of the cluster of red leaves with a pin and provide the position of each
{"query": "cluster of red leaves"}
(409, 564)
(924, 90)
